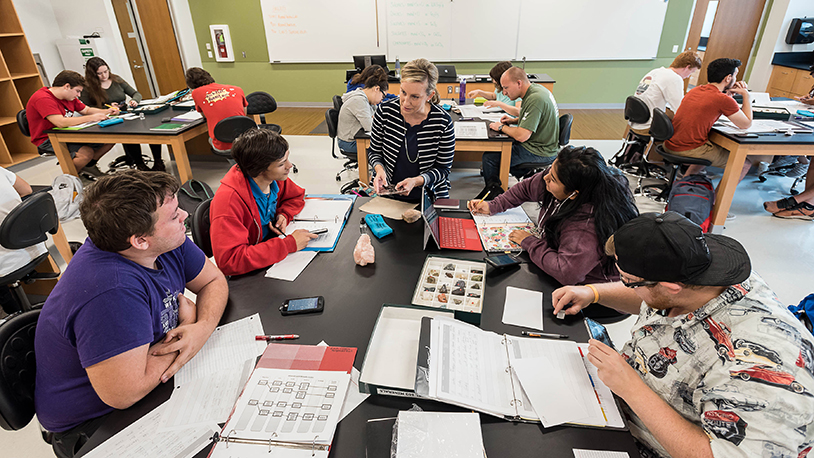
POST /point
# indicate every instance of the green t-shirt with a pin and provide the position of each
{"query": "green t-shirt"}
(505, 99)
(539, 114)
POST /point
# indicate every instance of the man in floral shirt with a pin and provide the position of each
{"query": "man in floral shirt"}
(716, 366)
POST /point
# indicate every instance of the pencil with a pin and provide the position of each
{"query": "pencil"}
(484, 197)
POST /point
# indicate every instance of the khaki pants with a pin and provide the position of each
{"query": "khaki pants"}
(711, 152)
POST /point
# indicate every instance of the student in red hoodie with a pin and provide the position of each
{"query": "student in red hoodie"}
(254, 204)
(582, 202)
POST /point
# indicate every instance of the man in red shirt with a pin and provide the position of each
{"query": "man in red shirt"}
(56, 106)
(215, 101)
(702, 107)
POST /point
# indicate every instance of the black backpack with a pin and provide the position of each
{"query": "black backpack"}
(192, 194)
(693, 197)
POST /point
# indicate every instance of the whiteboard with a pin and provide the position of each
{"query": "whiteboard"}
(463, 30)
(322, 30)
(590, 29)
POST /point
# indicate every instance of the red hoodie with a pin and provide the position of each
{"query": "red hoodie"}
(237, 238)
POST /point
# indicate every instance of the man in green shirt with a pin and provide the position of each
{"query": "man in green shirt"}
(535, 131)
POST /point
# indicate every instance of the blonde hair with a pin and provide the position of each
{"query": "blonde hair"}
(422, 71)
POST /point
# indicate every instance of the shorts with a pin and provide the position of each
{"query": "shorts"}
(709, 151)
(47, 148)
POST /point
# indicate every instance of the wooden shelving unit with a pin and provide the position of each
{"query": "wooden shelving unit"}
(19, 79)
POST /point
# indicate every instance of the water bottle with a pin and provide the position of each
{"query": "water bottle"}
(462, 95)
(398, 68)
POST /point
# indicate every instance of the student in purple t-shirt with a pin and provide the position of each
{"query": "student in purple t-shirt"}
(117, 324)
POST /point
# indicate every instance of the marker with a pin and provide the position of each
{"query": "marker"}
(544, 334)
(279, 337)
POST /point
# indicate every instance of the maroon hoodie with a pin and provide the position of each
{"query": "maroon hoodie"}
(580, 259)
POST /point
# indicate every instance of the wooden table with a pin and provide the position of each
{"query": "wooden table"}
(739, 148)
(135, 131)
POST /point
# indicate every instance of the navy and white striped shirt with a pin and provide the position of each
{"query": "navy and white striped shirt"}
(436, 144)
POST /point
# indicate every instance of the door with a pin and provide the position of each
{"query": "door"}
(724, 28)
(135, 57)
(161, 46)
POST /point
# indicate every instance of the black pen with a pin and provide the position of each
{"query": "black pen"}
(544, 334)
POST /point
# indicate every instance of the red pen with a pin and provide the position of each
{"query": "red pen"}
(279, 337)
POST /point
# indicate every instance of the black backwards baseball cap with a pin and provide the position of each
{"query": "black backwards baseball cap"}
(669, 247)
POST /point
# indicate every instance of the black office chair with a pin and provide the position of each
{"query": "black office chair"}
(22, 123)
(228, 129)
(200, 228)
(337, 100)
(530, 168)
(24, 226)
(661, 129)
(18, 368)
(261, 103)
(352, 163)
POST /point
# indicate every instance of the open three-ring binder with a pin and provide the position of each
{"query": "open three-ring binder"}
(292, 400)
(463, 365)
(323, 211)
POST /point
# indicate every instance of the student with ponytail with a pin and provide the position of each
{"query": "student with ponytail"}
(582, 202)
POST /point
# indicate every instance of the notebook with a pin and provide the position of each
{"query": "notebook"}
(494, 230)
(452, 233)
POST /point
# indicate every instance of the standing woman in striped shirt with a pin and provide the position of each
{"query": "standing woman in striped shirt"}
(413, 140)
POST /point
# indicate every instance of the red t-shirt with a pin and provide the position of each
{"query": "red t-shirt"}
(216, 102)
(699, 110)
(43, 104)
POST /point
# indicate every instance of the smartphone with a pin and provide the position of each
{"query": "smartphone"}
(302, 305)
(746, 135)
(501, 260)
(321, 230)
(599, 332)
(389, 190)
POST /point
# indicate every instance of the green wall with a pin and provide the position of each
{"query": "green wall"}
(577, 81)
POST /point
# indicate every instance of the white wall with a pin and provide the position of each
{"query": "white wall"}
(774, 38)
(83, 17)
(185, 33)
(41, 30)
(796, 8)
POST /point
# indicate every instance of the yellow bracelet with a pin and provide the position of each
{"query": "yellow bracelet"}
(596, 294)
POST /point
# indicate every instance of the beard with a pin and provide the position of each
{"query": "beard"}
(729, 86)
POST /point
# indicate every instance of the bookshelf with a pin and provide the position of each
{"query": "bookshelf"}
(19, 79)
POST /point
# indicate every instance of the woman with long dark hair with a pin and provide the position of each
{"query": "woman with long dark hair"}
(102, 88)
(582, 202)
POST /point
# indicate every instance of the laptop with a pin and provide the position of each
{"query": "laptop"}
(452, 233)
(447, 74)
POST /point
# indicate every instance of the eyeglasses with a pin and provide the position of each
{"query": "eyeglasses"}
(636, 284)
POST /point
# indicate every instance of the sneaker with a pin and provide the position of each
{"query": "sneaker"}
(803, 210)
(762, 167)
(730, 216)
(797, 170)
(780, 205)
(93, 170)
(783, 161)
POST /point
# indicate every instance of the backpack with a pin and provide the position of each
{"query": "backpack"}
(67, 193)
(693, 197)
(192, 194)
(804, 311)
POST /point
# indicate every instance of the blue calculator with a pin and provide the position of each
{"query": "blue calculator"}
(378, 226)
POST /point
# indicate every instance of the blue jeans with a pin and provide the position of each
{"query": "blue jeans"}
(520, 155)
(346, 146)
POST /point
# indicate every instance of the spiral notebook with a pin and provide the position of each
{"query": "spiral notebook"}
(474, 369)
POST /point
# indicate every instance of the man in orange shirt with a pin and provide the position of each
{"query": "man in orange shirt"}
(702, 107)
(215, 101)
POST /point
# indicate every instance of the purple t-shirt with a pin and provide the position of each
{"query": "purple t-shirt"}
(103, 305)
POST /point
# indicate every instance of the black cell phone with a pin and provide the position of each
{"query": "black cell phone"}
(598, 331)
(303, 305)
(501, 260)
(321, 230)
(746, 135)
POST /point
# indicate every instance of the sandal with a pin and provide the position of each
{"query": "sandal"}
(804, 211)
(780, 205)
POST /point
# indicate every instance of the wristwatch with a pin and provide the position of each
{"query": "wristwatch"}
(500, 129)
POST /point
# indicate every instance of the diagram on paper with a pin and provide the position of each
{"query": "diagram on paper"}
(289, 405)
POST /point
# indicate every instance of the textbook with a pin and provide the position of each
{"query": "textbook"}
(292, 400)
(463, 365)
(494, 229)
(170, 127)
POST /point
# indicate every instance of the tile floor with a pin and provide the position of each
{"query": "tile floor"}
(782, 251)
